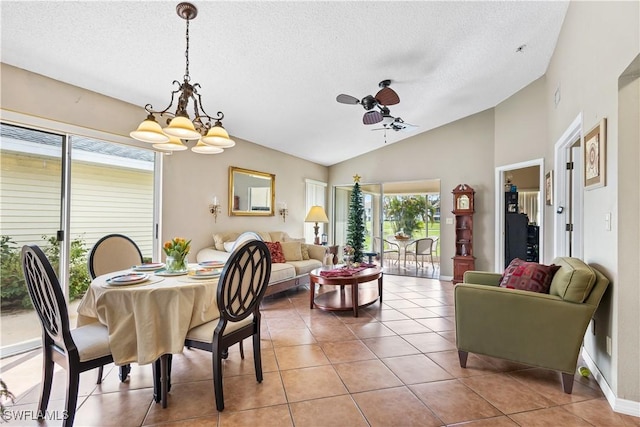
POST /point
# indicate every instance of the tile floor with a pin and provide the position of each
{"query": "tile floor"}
(395, 365)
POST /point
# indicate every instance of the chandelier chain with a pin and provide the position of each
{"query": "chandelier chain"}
(186, 54)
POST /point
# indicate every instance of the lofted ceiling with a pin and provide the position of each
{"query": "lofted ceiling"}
(275, 68)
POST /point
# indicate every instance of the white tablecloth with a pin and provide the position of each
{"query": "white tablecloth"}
(150, 319)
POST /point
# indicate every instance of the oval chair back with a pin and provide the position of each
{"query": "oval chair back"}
(111, 253)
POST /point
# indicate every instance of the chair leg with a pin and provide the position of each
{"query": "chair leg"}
(124, 372)
(47, 379)
(73, 381)
(241, 349)
(567, 382)
(100, 371)
(462, 355)
(257, 357)
(217, 380)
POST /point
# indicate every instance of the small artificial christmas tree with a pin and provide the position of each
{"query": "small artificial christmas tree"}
(355, 226)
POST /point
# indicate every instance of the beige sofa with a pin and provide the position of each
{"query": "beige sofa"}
(284, 276)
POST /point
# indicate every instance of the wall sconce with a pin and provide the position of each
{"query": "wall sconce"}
(284, 211)
(215, 208)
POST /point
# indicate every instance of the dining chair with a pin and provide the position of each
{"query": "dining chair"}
(386, 247)
(114, 252)
(421, 248)
(77, 350)
(241, 288)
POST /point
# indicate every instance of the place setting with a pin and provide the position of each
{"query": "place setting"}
(130, 279)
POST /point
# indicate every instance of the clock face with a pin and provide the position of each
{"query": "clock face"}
(463, 202)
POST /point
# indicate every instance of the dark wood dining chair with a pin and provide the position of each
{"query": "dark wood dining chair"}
(241, 288)
(114, 252)
(77, 350)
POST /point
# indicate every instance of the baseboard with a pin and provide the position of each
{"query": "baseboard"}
(446, 278)
(623, 406)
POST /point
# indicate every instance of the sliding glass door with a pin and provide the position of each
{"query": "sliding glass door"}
(63, 192)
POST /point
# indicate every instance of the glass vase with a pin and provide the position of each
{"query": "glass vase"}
(176, 264)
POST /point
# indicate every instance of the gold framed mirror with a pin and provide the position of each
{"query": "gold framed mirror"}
(251, 193)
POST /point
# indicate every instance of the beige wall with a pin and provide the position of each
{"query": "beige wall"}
(460, 152)
(597, 42)
(191, 180)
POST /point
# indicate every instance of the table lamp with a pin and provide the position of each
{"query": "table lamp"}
(316, 214)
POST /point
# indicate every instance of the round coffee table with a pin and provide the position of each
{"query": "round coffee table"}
(339, 300)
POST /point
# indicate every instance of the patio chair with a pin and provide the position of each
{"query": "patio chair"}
(241, 288)
(421, 248)
(77, 350)
(114, 252)
(385, 247)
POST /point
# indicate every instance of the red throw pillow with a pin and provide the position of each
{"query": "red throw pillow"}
(528, 276)
(275, 249)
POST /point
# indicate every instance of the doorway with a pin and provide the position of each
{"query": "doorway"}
(411, 207)
(519, 212)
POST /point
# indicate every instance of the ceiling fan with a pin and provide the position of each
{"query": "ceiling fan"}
(385, 96)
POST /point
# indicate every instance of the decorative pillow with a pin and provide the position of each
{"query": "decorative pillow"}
(228, 246)
(528, 276)
(275, 249)
(305, 251)
(292, 251)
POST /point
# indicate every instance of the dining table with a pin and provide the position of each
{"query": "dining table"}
(148, 319)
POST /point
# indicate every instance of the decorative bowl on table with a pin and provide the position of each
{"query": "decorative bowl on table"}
(402, 237)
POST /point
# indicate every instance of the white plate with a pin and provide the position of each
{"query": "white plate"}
(152, 266)
(128, 279)
(205, 274)
(211, 264)
(165, 273)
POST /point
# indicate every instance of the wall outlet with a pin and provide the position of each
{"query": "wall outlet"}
(609, 345)
(448, 221)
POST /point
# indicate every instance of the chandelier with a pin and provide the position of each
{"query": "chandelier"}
(208, 130)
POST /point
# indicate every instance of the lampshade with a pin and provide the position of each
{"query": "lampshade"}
(316, 214)
(203, 148)
(181, 127)
(218, 136)
(174, 144)
(149, 131)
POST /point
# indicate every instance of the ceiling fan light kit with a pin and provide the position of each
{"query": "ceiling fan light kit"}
(385, 97)
(207, 130)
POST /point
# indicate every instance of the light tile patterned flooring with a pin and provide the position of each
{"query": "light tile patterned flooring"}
(395, 365)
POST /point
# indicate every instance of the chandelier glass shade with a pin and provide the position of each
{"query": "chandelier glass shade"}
(212, 137)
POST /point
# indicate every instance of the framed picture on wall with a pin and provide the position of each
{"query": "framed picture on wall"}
(548, 188)
(595, 150)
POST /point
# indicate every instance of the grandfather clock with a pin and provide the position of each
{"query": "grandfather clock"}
(463, 209)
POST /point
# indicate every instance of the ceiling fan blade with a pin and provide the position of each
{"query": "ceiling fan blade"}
(372, 117)
(387, 96)
(347, 99)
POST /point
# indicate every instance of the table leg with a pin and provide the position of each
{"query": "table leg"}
(354, 298)
(162, 380)
(380, 287)
(312, 292)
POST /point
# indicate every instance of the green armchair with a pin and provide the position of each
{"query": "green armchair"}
(543, 330)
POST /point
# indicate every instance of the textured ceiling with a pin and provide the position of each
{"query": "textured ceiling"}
(275, 68)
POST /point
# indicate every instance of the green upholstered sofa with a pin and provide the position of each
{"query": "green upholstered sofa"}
(543, 330)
